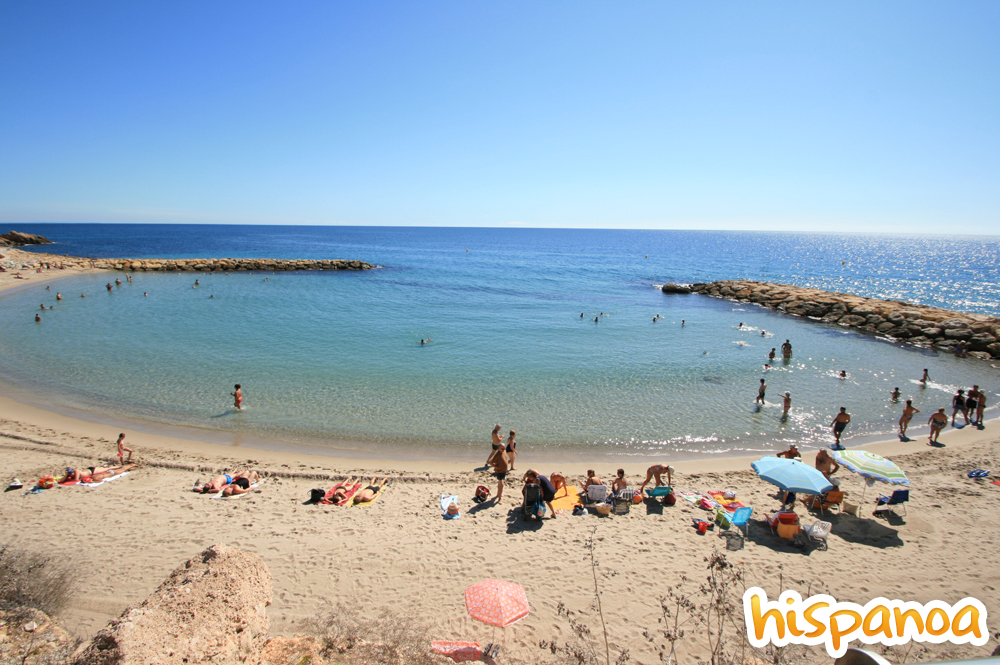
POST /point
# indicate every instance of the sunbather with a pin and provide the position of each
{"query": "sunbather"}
(238, 486)
(218, 483)
(592, 479)
(340, 493)
(368, 493)
(620, 482)
(96, 474)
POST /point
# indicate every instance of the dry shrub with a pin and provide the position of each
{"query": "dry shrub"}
(36, 580)
(386, 639)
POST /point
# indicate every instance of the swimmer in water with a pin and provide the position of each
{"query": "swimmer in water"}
(238, 398)
(682, 322)
(763, 333)
(741, 325)
(771, 355)
(43, 306)
(108, 285)
(895, 394)
(118, 282)
(197, 282)
(926, 377)
(843, 374)
(145, 294)
(787, 405)
(38, 318)
(581, 315)
(83, 295)
(595, 319)
(58, 296)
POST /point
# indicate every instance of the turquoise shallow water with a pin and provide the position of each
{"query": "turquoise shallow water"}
(334, 359)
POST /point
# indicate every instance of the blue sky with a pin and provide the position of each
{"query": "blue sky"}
(803, 116)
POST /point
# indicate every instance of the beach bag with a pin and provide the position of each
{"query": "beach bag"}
(316, 495)
(670, 499)
(47, 482)
(482, 493)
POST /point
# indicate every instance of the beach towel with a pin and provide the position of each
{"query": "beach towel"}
(106, 480)
(692, 497)
(460, 652)
(566, 498)
(447, 500)
(374, 498)
(351, 491)
(729, 504)
(238, 496)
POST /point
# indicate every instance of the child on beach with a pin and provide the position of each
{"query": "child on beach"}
(122, 449)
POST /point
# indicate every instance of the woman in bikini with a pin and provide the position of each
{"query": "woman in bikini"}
(96, 474)
(238, 397)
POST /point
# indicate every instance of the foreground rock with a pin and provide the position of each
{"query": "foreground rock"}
(210, 610)
(30, 636)
(916, 324)
(15, 239)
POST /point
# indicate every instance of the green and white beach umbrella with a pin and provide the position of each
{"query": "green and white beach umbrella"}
(870, 465)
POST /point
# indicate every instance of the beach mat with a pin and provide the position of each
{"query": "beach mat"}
(106, 480)
(566, 498)
(729, 504)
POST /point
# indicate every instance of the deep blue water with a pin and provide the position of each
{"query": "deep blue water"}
(334, 358)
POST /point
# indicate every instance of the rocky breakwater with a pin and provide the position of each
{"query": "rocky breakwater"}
(16, 239)
(227, 265)
(915, 324)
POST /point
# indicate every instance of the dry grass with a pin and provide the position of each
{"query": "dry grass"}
(351, 637)
(35, 580)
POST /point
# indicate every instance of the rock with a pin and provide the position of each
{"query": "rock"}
(897, 318)
(994, 349)
(875, 319)
(885, 327)
(954, 323)
(675, 288)
(958, 333)
(30, 627)
(931, 332)
(210, 610)
(295, 650)
(16, 238)
(981, 341)
(832, 317)
(852, 320)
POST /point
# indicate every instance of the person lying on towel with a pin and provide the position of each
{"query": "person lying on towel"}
(368, 493)
(96, 474)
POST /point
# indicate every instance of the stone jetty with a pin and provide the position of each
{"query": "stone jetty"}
(919, 325)
(187, 265)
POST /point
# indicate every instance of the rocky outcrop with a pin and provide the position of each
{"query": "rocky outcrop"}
(16, 239)
(920, 325)
(210, 610)
(296, 650)
(29, 636)
(675, 288)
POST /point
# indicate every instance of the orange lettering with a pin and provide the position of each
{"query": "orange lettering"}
(885, 625)
(836, 633)
(944, 621)
(973, 625)
(760, 622)
(901, 618)
(813, 622)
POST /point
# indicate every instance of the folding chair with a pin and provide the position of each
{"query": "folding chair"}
(741, 518)
(597, 493)
(818, 532)
(885, 503)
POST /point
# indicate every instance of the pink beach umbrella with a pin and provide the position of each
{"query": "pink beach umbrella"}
(496, 602)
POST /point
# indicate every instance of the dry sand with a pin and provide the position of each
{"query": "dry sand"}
(399, 554)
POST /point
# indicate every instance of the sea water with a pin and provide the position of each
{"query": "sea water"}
(334, 359)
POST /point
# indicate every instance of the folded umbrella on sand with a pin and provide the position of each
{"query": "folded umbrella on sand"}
(791, 475)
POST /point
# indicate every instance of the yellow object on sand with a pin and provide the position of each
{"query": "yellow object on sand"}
(566, 498)
(374, 499)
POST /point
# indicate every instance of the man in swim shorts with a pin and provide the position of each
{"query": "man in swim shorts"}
(497, 444)
(825, 463)
(938, 421)
(839, 423)
(501, 467)
(761, 389)
(369, 492)
(786, 350)
(904, 421)
(656, 470)
(971, 403)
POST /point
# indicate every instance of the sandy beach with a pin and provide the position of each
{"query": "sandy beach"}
(399, 554)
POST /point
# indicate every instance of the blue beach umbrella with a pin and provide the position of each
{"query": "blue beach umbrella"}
(791, 475)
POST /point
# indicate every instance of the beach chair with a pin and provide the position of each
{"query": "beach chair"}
(818, 532)
(623, 501)
(741, 518)
(784, 523)
(597, 493)
(533, 507)
(828, 501)
(884, 503)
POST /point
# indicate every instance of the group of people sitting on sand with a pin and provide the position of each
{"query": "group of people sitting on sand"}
(238, 483)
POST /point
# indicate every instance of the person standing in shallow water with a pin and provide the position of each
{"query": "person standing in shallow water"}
(760, 392)
(904, 421)
(786, 350)
(238, 397)
(839, 424)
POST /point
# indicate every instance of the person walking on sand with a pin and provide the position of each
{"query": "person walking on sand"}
(938, 421)
(122, 449)
(786, 350)
(238, 397)
(501, 467)
(657, 470)
(904, 421)
(958, 404)
(497, 444)
(761, 389)
(839, 424)
(787, 404)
